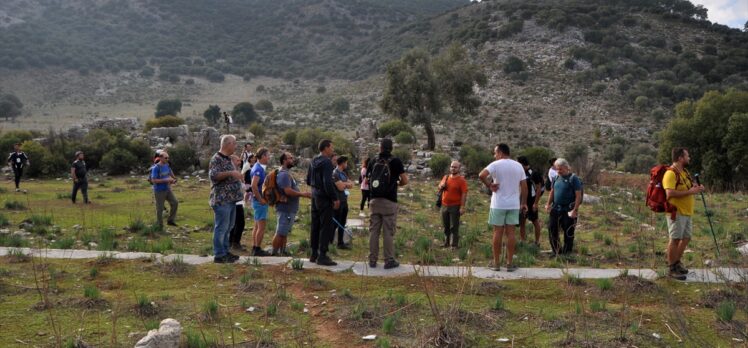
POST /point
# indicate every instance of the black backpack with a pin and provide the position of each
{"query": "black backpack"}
(380, 177)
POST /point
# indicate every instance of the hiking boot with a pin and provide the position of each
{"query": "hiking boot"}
(678, 267)
(373, 264)
(313, 258)
(344, 247)
(677, 276)
(232, 257)
(391, 264)
(494, 267)
(446, 243)
(511, 268)
(257, 251)
(325, 260)
(223, 259)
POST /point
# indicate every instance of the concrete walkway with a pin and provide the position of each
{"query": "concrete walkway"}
(712, 275)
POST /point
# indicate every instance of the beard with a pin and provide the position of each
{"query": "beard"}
(290, 165)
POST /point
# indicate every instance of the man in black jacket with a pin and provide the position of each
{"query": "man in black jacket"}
(17, 160)
(78, 172)
(324, 201)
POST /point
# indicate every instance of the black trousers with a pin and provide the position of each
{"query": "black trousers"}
(17, 173)
(341, 215)
(235, 235)
(364, 197)
(83, 187)
(451, 223)
(322, 225)
(560, 222)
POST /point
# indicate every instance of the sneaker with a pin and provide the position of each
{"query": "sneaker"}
(223, 259)
(391, 264)
(373, 264)
(257, 251)
(344, 247)
(677, 276)
(511, 268)
(326, 261)
(493, 267)
(680, 269)
(18, 190)
(232, 257)
(171, 223)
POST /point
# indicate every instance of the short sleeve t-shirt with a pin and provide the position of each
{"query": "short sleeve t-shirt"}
(259, 172)
(80, 170)
(285, 179)
(508, 174)
(456, 186)
(533, 178)
(396, 169)
(565, 192)
(160, 172)
(684, 204)
(18, 159)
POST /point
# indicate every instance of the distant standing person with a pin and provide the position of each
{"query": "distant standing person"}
(225, 191)
(343, 184)
(247, 186)
(552, 174)
(454, 196)
(563, 207)
(235, 236)
(324, 202)
(78, 172)
(287, 210)
(247, 152)
(17, 161)
(364, 185)
(534, 192)
(259, 205)
(680, 190)
(385, 173)
(506, 179)
(162, 179)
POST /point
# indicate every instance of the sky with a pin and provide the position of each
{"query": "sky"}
(733, 13)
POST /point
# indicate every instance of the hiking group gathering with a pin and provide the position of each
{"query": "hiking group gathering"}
(244, 187)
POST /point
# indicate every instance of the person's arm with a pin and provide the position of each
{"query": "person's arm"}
(403, 179)
(339, 184)
(72, 174)
(221, 176)
(487, 181)
(696, 189)
(523, 195)
(577, 201)
(289, 192)
(549, 204)
(538, 193)
(327, 184)
(463, 199)
(256, 190)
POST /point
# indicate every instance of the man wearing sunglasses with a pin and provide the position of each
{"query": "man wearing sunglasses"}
(162, 179)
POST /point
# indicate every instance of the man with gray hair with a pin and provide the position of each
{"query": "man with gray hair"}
(225, 191)
(563, 206)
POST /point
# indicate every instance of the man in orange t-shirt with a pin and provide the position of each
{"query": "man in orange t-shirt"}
(453, 203)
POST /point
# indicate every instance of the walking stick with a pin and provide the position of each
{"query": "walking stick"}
(708, 214)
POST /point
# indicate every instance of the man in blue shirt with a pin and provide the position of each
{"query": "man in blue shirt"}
(259, 204)
(563, 206)
(162, 179)
(286, 209)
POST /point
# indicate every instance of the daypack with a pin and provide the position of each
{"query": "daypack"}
(379, 177)
(150, 173)
(656, 195)
(553, 184)
(270, 189)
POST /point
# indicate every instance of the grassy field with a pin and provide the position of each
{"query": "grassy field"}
(619, 232)
(103, 301)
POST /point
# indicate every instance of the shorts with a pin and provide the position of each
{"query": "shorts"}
(531, 215)
(680, 228)
(260, 210)
(285, 223)
(503, 217)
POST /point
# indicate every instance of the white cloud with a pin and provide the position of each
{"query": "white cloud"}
(733, 13)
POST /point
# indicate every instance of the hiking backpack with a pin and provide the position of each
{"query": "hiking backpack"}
(150, 173)
(379, 177)
(656, 195)
(270, 189)
(570, 178)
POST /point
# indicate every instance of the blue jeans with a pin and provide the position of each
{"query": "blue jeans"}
(223, 223)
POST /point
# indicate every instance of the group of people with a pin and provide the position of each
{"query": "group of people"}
(516, 190)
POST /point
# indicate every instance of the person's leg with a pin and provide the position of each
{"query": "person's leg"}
(536, 227)
(315, 230)
(364, 198)
(76, 186)
(160, 197)
(326, 232)
(686, 225)
(682, 248)
(389, 225)
(343, 220)
(84, 191)
(553, 226)
(336, 230)
(674, 242)
(454, 221)
(231, 208)
(277, 242)
(446, 225)
(375, 227)
(220, 228)
(496, 246)
(569, 226)
(17, 176)
(522, 227)
(510, 243)
(235, 238)
(173, 205)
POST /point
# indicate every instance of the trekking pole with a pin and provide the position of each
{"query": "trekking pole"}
(708, 214)
(346, 230)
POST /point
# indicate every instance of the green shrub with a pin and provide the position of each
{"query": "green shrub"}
(258, 130)
(14, 205)
(405, 138)
(107, 239)
(63, 243)
(498, 304)
(163, 121)
(726, 311)
(475, 158)
(9, 138)
(513, 65)
(119, 161)
(439, 164)
(538, 156)
(340, 105)
(91, 292)
(289, 137)
(604, 284)
(388, 325)
(402, 153)
(598, 306)
(4, 221)
(168, 106)
(393, 127)
(210, 309)
(264, 105)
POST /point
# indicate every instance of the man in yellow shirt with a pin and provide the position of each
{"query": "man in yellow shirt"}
(680, 191)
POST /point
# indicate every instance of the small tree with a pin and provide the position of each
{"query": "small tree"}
(168, 107)
(340, 105)
(257, 129)
(212, 114)
(244, 113)
(119, 161)
(439, 163)
(10, 106)
(264, 105)
(513, 65)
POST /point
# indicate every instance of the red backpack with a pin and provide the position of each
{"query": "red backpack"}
(656, 195)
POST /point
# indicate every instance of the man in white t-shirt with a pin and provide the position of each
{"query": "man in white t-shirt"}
(506, 179)
(552, 172)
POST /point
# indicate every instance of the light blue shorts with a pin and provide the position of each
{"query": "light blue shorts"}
(261, 211)
(503, 217)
